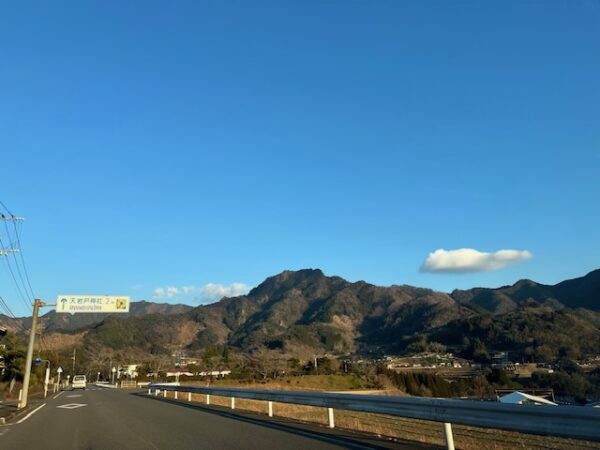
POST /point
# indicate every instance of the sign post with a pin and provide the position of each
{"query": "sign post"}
(46, 380)
(37, 362)
(37, 303)
(59, 371)
(67, 304)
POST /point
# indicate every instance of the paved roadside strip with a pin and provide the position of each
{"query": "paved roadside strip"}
(339, 436)
(31, 413)
(10, 413)
(116, 419)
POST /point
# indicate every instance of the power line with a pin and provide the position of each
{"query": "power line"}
(15, 219)
(12, 274)
(23, 258)
(5, 219)
(10, 314)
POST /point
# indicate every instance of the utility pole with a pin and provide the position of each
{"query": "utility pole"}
(37, 303)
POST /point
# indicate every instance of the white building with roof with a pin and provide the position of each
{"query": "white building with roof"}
(520, 398)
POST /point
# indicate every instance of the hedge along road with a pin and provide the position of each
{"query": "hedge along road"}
(115, 419)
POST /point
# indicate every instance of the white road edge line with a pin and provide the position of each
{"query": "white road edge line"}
(31, 413)
(57, 395)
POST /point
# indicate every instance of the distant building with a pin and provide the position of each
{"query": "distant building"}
(520, 398)
(129, 371)
(215, 373)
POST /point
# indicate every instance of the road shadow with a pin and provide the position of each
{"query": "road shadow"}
(347, 438)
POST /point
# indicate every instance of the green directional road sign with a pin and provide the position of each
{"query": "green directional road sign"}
(92, 304)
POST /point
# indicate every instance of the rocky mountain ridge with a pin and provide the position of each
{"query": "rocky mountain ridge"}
(306, 312)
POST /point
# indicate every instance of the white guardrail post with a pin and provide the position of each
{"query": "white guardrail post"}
(576, 422)
(448, 436)
(330, 418)
(189, 396)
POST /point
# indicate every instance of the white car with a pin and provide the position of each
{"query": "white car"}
(79, 382)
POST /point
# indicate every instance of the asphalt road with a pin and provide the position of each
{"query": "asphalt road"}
(116, 419)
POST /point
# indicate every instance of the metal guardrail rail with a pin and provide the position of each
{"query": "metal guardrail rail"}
(576, 422)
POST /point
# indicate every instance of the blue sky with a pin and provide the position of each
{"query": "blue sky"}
(169, 144)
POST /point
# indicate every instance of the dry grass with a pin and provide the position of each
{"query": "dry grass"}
(467, 438)
(307, 383)
(60, 341)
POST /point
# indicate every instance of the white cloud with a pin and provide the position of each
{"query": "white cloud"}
(158, 293)
(169, 292)
(465, 260)
(172, 291)
(212, 291)
(206, 294)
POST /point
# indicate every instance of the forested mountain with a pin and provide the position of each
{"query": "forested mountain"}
(581, 292)
(52, 321)
(304, 312)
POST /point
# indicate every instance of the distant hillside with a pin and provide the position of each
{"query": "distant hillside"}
(583, 292)
(303, 313)
(52, 321)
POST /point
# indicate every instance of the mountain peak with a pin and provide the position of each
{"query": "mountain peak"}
(525, 283)
(287, 279)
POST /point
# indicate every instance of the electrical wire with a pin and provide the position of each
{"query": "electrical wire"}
(4, 306)
(14, 220)
(12, 246)
(25, 285)
(12, 274)
(23, 258)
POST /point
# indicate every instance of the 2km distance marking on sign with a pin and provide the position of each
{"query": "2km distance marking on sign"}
(92, 304)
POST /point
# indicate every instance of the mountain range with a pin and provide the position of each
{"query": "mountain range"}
(300, 313)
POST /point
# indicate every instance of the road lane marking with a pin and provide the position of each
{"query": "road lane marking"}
(58, 395)
(31, 413)
(72, 405)
(74, 396)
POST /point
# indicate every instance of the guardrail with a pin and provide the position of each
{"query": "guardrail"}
(106, 385)
(576, 422)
